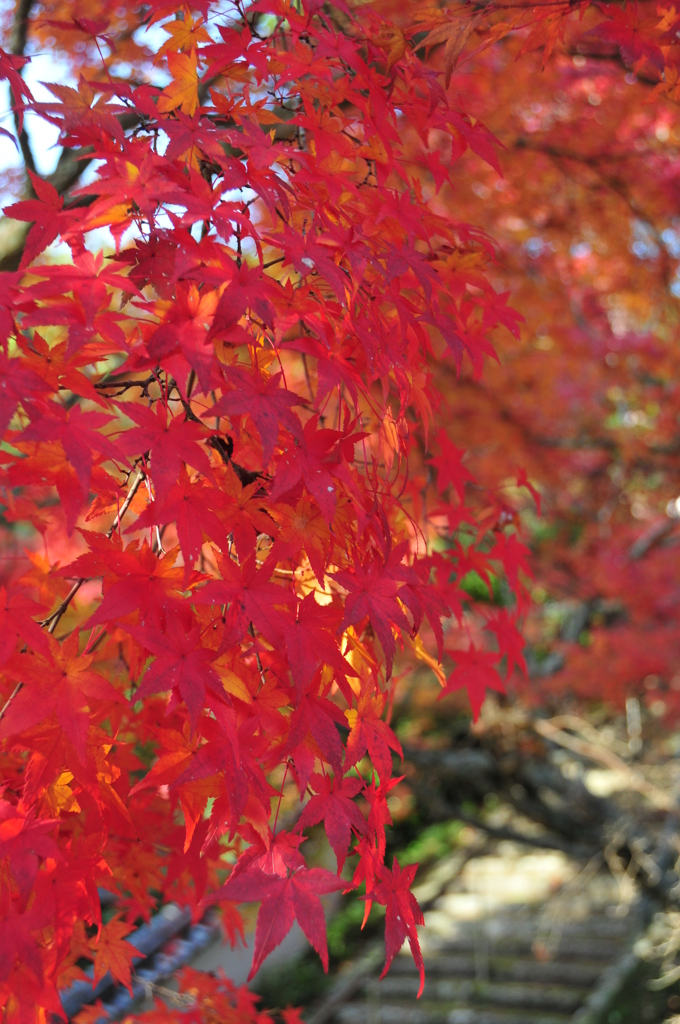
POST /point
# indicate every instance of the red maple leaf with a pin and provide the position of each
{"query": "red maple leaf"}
(318, 716)
(307, 459)
(23, 840)
(185, 330)
(379, 815)
(310, 640)
(402, 914)
(475, 672)
(372, 591)
(334, 805)
(286, 896)
(250, 596)
(450, 468)
(633, 37)
(180, 664)
(171, 440)
(44, 212)
(511, 643)
(523, 481)
(63, 685)
(192, 506)
(78, 433)
(17, 941)
(133, 579)
(369, 733)
(247, 290)
(17, 382)
(302, 527)
(16, 622)
(113, 953)
(422, 600)
(10, 71)
(268, 405)
(513, 555)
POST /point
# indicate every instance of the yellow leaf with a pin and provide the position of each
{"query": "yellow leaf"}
(393, 41)
(389, 441)
(183, 90)
(233, 685)
(61, 797)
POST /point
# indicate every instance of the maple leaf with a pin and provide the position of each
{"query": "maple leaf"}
(113, 953)
(510, 641)
(307, 459)
(17, 382)
(369, 733)
(476, 673)
(422, 600)
(78, 433)
(250, 596)
(333, 804)
(523, 481)
(194, 508)
(513, 555)
(10, 71)
(310, 640)
(18, 942)
(184, 35)
(133, 580)
(185, 329)
(62, 684)
(268, 405)
(302, 528)
(402, 914)
(244, 513)
(43, 211)
(80, 114)
(637, 44)
(248, 288)
(180, 664)
(24, 839)
(372, 591)
(183, 90)
(178, 748)
(449, 466)
(318, 716)
(285, 898)
(171, 441)
(217, 756)
(379, 815)
(49, 363)
(16, 622)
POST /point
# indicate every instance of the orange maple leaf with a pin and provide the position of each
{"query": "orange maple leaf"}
(184, 35)
(113, 952)
(183, 90)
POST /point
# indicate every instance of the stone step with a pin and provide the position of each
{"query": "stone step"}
(396, 1013)
(508, 994)
(571, 949)
(581, 973)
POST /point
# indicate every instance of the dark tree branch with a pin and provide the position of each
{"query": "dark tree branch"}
(18, 42)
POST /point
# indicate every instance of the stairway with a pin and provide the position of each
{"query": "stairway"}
(517, 937)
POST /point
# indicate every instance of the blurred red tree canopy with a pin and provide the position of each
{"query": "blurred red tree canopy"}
(315, 308)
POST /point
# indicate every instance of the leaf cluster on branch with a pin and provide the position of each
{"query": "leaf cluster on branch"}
(227, 352)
